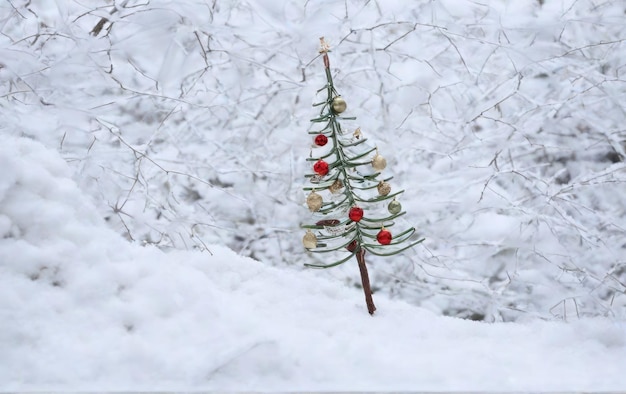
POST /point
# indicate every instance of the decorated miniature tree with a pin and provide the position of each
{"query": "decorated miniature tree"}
(354, 206)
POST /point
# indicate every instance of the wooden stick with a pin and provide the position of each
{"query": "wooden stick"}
(365, 281)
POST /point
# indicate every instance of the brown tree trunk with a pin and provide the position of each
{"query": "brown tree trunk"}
(365, 281)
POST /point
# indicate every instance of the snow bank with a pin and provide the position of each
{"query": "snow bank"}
(82, 308)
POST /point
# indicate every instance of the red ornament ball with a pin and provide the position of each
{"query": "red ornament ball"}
(321, 140)
(384, 237)
(355, 214)
(320, 167)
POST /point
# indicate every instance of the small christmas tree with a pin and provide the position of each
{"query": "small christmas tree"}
(347, 197)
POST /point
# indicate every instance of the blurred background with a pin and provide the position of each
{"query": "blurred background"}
(186, 123)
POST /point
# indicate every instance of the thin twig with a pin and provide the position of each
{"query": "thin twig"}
(365, 281)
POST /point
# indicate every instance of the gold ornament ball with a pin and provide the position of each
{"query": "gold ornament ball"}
(336, 186)
(383, 188)
(309, 240)
(314, 201)
(338, 105)
(394, 207)
(379, 163)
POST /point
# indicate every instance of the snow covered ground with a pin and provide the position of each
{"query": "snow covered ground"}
(151, 195)
(83, 309)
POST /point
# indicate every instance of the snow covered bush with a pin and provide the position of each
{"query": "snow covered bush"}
(182, 121)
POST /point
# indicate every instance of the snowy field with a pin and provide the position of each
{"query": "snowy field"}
(151, 196)
(83, 309)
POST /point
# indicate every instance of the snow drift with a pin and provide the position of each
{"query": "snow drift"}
(83, 308)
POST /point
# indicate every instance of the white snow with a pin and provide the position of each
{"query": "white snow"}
(151, 196)
(84, 309)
